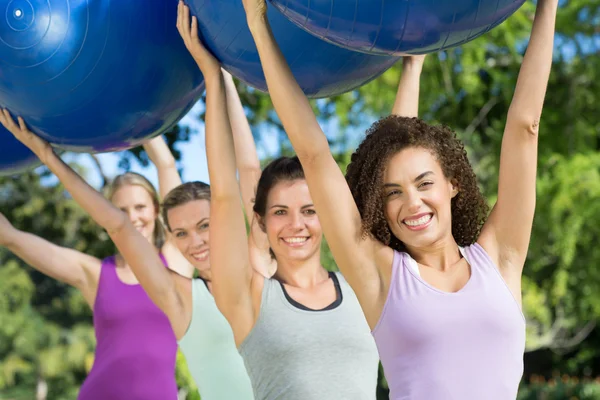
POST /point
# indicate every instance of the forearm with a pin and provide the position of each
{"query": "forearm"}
(220, 150)
(526, 106)
(162, 158)
(407, 98)
(289, 101)
(245, 148)
(100, 209)
(246, 156)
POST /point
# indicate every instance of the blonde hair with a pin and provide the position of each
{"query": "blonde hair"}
(135, 179)
(183, 194)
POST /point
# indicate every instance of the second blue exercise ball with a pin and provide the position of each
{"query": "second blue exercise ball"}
(321, 69)
(398, 26)
(95, 75)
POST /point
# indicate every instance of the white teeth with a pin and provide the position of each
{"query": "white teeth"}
(296, 240)
(416, 222)
(201, 256)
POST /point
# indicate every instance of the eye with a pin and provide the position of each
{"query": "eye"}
(180, 234)
(393, 193)
(279, 212)
(425, 184)
(140, 207)
(310, 211)
(204, 226)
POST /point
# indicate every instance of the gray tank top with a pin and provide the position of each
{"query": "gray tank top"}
(297, 354)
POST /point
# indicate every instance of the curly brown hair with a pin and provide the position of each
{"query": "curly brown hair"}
(387, 137)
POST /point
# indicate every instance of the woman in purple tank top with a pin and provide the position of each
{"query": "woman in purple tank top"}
(439, 284)
(136, 347)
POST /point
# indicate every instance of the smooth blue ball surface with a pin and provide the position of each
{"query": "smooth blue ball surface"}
(398, 26)
(95, 75)
(321, 69)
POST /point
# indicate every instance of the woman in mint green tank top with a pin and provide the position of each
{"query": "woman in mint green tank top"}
(301, 333)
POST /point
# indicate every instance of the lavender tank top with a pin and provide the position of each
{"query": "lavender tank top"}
(466, 345)
(136, 347)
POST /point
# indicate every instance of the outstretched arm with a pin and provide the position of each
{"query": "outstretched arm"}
(249, 173)
(407, 98)
(358, 258)
(231, 271)
(66, 265)
(161, 157)
(507, 232)
(137, 250)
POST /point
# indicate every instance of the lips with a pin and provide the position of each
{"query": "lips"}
(418, 222)
(295, 241)
(200, 255)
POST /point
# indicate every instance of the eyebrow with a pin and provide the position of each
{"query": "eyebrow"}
(286, 207)
(418, 178)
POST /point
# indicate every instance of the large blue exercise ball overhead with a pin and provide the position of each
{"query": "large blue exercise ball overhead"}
(398, 26)
(321, 69)
(15, 158)
(95, 75)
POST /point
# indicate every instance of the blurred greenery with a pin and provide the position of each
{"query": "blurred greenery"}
(46, 334)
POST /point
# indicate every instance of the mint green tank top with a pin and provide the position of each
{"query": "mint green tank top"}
(211, 353)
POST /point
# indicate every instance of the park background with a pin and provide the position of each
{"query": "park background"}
(46, 334)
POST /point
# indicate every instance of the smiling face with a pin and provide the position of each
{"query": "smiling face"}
(189, 228)
(417, 198)
(291, 223)
(137, 203)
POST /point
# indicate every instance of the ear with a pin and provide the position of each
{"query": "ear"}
(261, 222)
(454, 185)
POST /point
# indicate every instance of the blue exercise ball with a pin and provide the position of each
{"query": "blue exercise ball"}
(95, 75)
(321, 69)
(15, 158)
(397, 27)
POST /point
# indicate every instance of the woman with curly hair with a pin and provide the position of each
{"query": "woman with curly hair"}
(439, 287)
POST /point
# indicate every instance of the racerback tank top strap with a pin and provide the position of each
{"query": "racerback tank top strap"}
(468, 344)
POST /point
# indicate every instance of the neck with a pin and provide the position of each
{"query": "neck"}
(303, 274)
(440, 255)
(206, 275)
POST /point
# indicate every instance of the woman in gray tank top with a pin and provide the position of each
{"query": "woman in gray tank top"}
(301, 333)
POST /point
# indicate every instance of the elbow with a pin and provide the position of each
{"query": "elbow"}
(117, 224)
(527, 124)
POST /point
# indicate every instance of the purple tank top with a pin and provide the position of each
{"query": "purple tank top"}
(466, 345)
(136, 347)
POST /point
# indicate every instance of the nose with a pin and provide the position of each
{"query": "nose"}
(297, 220)
(413, 201)
(198, 239)
(132, 214)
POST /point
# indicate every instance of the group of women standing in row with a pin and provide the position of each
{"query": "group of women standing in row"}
(429, 282)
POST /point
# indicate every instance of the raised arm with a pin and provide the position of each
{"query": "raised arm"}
(161, 157)
(358, 258)
(66, 265)
(168, 179)
(232, 274)
(407, 98)
(249, 173)
(139, 253)
(507, 232)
